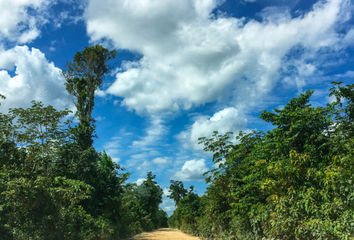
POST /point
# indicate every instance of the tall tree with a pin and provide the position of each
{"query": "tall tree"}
(153, 197)
(83, 77)
(177, 191)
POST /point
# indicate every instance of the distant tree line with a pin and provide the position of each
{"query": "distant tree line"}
(293, 182)
(53, 182)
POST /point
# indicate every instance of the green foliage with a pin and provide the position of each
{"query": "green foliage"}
(50, 188)
(54, 184)
(34, 201)
(293, 182)
(83, 77)
(189, 208)
(142, 206)
(162, 219)
(177, 191)
(150, 198)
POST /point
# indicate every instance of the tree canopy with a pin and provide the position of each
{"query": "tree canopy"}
(84, 76)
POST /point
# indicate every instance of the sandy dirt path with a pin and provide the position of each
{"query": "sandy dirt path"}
(164, 234)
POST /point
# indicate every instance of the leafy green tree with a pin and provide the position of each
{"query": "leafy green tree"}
(162, 219)
(83, 77)
(177, 191)
(78, 159)
(151, 201)
(39, 130)
(136, 217)
(141, 206)
(189, 210)
(34, 203)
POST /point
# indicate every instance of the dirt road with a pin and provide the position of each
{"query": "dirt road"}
(164, 234)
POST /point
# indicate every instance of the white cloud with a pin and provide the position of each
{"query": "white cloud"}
(153, 133)
(28, 36)
(140, 181)
(347, 74)
(192, 170)
(168, 205)
(227, 120)
(112, 148)
(8, 59)
(166, 192)
(144, 166)
(112, 144)
(100, 93)
(35, 79)
(17, 23)
(143, 154)
(190, 58)
(169, 209)
(115, 159)
(99, 118)
(161, 161)
(112, 152)
(21, 20)
(298, 71)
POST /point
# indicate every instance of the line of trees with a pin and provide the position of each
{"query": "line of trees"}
(53, 182)
(293, 182)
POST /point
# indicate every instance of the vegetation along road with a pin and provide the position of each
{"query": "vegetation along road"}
(163, 234)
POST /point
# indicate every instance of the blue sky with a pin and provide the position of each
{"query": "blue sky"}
(184, 69)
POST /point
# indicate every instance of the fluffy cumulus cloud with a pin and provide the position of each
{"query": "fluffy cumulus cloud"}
(140, 181)
(20, 19)
(34, 79)
(227, 120)
(191, 57)
(192, 170)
